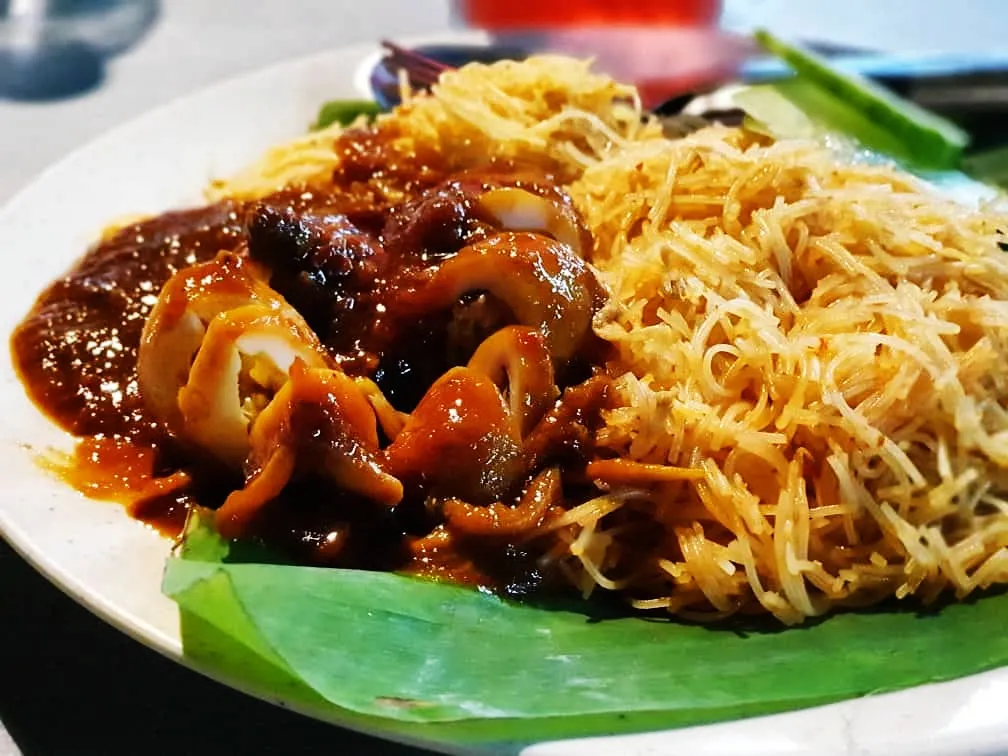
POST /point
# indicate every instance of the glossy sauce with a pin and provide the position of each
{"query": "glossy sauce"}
(76, 351)
(342, 257)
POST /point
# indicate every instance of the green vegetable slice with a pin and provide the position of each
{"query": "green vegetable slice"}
(990, 166)
(435, 660)
(797, 109)
(781, 111)
(344, 112)
(868, 112)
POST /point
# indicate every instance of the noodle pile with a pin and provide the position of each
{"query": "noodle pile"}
(824, 342)
(550, 113)
(829, 343)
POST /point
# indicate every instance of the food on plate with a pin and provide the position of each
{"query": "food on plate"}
(512, 335)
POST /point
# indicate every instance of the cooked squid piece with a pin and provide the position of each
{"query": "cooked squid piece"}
(566, 432)
(543, 282)
(317, 261)
(517, 360)
(503, 520)
(450, 215)
(439, 222)
(319, 422)
(390, 420)
(515, 209)
(459, 441)
(215, 348)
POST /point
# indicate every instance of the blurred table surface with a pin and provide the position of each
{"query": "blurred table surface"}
(70, 684)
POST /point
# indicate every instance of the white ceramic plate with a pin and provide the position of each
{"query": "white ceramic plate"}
(113, 565)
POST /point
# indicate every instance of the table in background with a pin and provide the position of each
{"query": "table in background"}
(70, 684)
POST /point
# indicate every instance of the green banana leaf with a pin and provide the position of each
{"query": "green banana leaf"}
(344, 112)
(423, 659)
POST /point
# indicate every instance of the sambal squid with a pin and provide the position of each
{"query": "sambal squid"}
(228, 367)
(512, 334)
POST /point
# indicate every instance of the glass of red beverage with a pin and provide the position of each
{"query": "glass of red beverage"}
(512, 15)
(664, 47)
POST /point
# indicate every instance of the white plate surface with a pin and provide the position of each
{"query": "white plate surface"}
(113, 565)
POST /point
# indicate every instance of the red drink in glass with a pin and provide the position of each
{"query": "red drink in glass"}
(499, 15)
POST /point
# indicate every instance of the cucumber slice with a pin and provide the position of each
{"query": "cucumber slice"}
(990, 166)
(926, 138)
(798, 109)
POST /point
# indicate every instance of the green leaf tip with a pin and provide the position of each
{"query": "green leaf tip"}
(344, 112)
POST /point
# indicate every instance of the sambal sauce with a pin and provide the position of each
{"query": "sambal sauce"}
(409, 287)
